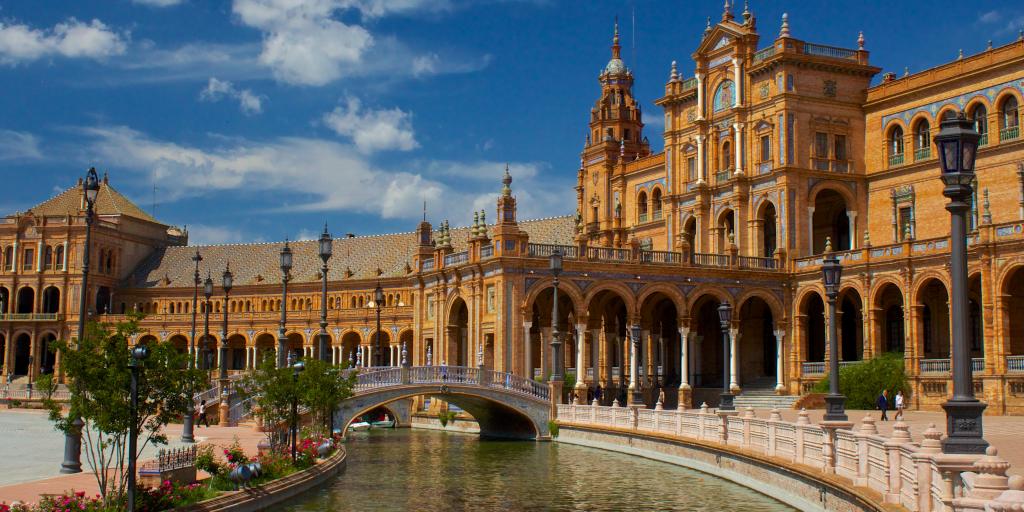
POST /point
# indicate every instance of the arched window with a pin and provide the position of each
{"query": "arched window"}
(1010, 119)
(59, 263)
(726, 156)
(979, 114)
(724, 96)
(656, 203)
(9, 258)
(48, 258)
(896, 146)
(641, 206)
(922, 140)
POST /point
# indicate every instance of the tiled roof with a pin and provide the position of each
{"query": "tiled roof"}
(259, 263)
(108, 202)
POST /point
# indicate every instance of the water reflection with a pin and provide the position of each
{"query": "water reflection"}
(435, 471)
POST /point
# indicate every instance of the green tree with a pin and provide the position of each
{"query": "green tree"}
(272, 390)
(864, 381)
(97, 368)
(322, 388)
(46, 385)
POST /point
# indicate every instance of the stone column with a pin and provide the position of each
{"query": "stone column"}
(780, 335)
(367, 361)
(734, 359)
(700, 96)
(527, 350)
(685, 391)
(581, 370)
(64, 267)
(701, 168)
(810, 230)
(738, 130)
(736, 81)
(851, 216)
(632, 365)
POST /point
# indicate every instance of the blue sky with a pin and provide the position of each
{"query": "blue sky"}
(261, 119)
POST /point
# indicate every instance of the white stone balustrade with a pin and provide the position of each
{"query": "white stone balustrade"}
(915, 475)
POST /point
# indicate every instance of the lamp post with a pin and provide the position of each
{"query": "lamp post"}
(187, 431)
(297, 368)
(831, 272)
(725, 319)
(226, 281)
(378, 298)
(282, 336)
(73, 438)
(207, 292)
(958, 144)
(326, 248)
(555, 264)
(139, 354)
(636, 396)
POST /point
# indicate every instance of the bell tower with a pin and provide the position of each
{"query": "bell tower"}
(615, 135)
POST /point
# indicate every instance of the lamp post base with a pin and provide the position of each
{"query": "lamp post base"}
(725, 403)
(73, 448)
(963, 427)
(835, 408)
(635, 398)
(187, 428)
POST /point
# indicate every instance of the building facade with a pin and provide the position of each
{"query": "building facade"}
(773, 151)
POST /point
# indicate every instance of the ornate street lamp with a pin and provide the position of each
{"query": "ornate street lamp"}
(73, 439)
(139, 354)
(326, 248)
(831, 272)
(555, 264)
(958, 145)
(207, 342)
(282, 336)
(297, 368)
(187, 432)
(725, 319)
(378, 299)
(226, 281)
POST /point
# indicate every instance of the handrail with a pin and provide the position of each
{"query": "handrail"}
(661, 257)
(570, 252)
(371, 379)
(608, 254)
(456, 258)
(829, 51)
(711, 260)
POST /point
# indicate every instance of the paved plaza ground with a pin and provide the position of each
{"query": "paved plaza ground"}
(31, 450)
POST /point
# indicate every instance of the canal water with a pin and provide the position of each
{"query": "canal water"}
(429, 471)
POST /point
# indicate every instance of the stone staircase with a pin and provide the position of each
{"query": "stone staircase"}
(760, 394)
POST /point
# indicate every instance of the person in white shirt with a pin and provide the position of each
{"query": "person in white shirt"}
(899, 406)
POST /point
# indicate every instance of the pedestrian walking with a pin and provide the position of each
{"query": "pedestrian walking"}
(899, 405)
(597, 393)
(883, 404)
(202, 414)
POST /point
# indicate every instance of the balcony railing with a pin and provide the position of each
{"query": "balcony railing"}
(820, 164)
(814, 368)
(1015, 364)
(456, 258)
(657, 215)
(661, 257)
(922, 154)
(607, 254)
(1011, 133)
(829, 51)
(764, 167)
(14, 317)
(764, 54)
(545, 250)
(428, 264)
(487, 251)
(711, 260)
(945, 365)
(723, 176)
(756, 262)
(983, 141)
(895, 160)
(689, 83)
(840, 166)
(642, 218)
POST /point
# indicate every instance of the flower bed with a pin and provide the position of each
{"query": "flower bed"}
(272, 477)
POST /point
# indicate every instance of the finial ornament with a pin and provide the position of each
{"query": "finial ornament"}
(784, 32)
(483, 222)
(860, 40)
(989, 47)
(906, 70)
(732, 237)
(708, 27)
(960, 55)
(867, 239)
(506, 189)
(675, 73)
(746, 11)
(988, 212)
(907, 233)
(828, 244)
(475, 230)
(726, 11)
(622, 146)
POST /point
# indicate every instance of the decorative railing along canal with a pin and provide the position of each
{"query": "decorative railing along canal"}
(377, 378)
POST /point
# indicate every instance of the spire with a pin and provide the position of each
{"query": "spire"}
(726, 11)
(475, 230)
(707, 28)
(616, 49)
(860, 40)
(483, 223)
(672, 77)
(506, 189)
(424, 210)
(784, 32)
(746, 11)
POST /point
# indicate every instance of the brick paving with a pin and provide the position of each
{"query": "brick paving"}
(20, 462)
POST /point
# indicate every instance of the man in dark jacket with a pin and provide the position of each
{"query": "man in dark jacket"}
(883, 404)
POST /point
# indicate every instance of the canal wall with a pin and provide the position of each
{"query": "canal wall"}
(466, 426)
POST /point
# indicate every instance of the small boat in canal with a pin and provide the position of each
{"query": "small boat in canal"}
(362, 425)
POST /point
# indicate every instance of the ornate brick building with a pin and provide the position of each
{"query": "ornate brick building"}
(771, 149)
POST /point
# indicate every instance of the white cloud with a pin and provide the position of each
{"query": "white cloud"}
(372, 130)
(203, 234)
(71, 39)
(320, 175)
(217, 90)
(19, 146)
(158, 3)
